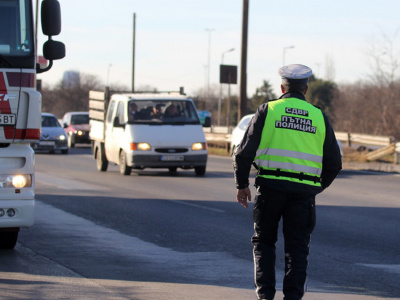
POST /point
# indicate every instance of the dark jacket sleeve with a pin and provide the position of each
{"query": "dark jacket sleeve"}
(332, 159)
(244, 154)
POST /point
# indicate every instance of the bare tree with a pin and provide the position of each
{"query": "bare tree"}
(70, 97)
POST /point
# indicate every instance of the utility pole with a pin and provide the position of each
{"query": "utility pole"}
(133, 52)
(243, 64)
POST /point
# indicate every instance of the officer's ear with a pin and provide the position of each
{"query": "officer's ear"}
(282, 89)
(305, 91)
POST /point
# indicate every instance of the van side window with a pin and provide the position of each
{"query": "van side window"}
(120, 112)
(110, 111)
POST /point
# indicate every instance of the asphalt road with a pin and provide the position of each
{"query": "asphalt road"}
(154, 235)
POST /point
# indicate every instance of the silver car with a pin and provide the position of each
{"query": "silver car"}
(53, 137)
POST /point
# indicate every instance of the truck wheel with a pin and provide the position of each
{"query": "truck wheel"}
(124, 169)
(200, 171)
(71, 142)
(101, 161)
(8, 239)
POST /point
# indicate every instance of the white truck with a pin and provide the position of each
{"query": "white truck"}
(20, 108)
(146, 130)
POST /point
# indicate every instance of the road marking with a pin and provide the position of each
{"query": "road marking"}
(66, 183)
(197, 206)
(387, 268)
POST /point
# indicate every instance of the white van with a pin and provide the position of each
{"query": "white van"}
(148, 131)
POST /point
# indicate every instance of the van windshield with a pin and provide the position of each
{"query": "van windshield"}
(159, 112)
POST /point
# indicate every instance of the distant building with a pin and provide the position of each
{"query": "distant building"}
(71, 79)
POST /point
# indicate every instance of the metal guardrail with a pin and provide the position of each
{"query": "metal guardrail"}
(364, 139)
(220, 137)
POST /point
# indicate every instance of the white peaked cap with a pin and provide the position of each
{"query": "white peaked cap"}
(295, 71)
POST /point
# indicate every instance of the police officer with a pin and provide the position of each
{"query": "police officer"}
(294, 148)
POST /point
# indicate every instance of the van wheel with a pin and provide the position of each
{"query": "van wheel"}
(8, 239)
(200, 171)
(123, 167)
(101, 161)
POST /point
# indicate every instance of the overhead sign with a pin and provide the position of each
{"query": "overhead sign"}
(228, 74)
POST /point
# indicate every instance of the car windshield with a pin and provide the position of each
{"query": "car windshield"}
(160, 112)
(79, 119)
(49, 121)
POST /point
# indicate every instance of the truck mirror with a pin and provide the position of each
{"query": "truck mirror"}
(53, 50)
(51, 17)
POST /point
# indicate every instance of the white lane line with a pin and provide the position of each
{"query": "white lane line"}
(197, 206)
(66, 183)
(387, 268)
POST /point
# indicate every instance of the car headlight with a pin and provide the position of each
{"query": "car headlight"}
(79, 132)
(15, 181)
(199, 146)
(62, 137)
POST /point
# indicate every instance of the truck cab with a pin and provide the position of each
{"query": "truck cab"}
(20, 108)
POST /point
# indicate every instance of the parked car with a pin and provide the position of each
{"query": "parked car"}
(52, 136)
(76, 125)
(239, 131)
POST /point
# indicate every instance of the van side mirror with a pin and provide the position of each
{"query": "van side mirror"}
(116, 123)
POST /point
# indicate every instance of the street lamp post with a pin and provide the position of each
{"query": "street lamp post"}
(220, 87)
(209, 56)
(284, 52)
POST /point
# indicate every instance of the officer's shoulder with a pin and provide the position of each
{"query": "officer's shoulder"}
(264, 105)
(316, 106)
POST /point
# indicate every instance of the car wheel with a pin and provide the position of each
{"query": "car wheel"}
(101, 161)
(124, 169)
(200, 171)
(71, 142)
(64, 151)
(8, 239)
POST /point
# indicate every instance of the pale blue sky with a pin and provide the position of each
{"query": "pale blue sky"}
(172, 41)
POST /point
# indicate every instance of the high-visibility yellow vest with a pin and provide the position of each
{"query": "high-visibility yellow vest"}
(292, 141)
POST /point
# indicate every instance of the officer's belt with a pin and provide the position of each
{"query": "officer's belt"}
(300, 176)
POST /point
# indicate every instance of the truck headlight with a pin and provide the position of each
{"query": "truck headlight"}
(15, 181)
(199, 146)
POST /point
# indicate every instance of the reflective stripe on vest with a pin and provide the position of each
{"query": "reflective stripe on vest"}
(292, 141)
(264, 154)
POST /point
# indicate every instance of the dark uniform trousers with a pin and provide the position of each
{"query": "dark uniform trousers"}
(298, 215)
